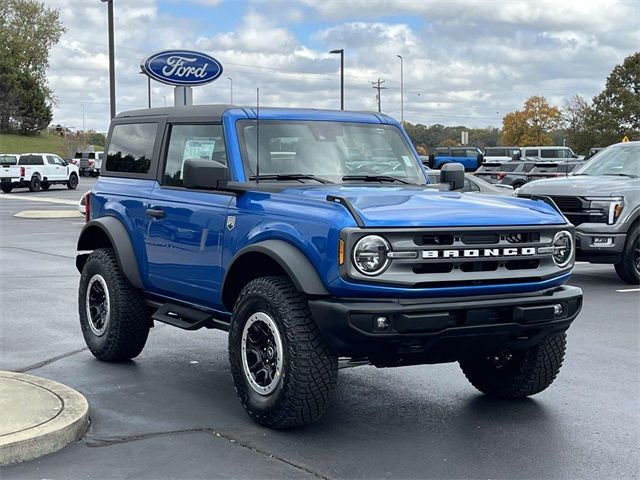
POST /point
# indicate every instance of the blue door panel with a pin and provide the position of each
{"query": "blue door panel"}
(184, 249)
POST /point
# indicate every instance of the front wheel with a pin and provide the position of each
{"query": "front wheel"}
(283, 371)
(517, 374)
(113, 314)
(629, 267)
(72, 183)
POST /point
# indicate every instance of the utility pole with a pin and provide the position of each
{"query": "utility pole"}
(401, 89)
(341, 53)
(112, 63)
(378, 86)
(231, 89)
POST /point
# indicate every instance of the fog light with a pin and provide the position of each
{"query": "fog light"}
(558, 309)
(602, 241)
(381, 323)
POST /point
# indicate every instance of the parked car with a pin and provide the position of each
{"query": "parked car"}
(8, 159)
(86, 162)
(38, 171)
(512, 173)
(315, 256)
(470, 157)
(602, 199)
(473, 184)
(552, 169)
(500, 154)
(548, 152)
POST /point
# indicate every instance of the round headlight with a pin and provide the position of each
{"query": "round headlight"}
(562, 248)
(370, 255)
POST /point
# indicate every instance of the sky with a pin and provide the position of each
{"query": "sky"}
(466, 62)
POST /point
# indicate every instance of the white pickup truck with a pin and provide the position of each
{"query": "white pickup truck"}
(36, 171)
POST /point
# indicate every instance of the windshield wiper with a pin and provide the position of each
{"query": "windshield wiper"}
(620, 175)
(289, 176)
(375, 178)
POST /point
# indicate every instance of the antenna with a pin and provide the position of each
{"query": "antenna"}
(258, 135)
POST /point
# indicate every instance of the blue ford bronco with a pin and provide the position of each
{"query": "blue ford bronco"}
(314, 238)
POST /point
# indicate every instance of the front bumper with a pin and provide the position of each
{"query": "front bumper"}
(588, 250)
(438, 330)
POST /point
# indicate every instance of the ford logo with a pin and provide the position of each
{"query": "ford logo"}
(181, 67)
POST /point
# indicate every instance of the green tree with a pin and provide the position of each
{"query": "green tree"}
(616, 110)
(28, 30)
(578, 134)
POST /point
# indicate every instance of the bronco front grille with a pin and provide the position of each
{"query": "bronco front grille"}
(464, 256)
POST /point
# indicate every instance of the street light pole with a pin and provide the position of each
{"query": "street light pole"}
(401, 89)
(84, 135)
(112, 67)
(165, 100)
(341, 52)
(231, 89)
(149, 90)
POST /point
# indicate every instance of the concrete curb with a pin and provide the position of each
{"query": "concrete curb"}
(38, 416)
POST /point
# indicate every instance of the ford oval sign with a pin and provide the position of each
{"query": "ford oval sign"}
(182, 67)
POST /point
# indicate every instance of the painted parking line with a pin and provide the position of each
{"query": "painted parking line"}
(625, 290)
(48, 214)
(61, 201)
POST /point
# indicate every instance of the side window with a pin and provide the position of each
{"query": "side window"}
(469, 186)
(441, 152)
(472, 152)
(204, 142)
(54, 160)
(458, 153)
(531, 153)
(549, 153)
(131, 147)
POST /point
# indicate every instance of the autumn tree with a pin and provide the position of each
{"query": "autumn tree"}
(575, 115)
(616, 110)
(532, 125)
(28, 30)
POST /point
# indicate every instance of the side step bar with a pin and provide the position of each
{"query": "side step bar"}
(187, 318)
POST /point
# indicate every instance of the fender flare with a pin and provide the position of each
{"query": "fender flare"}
(119, 238)
(301, 271)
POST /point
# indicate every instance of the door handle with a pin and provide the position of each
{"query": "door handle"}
(155, 213)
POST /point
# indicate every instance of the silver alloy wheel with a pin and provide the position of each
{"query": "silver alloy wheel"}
(262, 353)
(98, 305)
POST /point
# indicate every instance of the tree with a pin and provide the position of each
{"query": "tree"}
(28, 30)
(532, 125)
(616, 110)
(575, 115)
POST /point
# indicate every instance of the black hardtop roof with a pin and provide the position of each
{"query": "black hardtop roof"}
(214, 112)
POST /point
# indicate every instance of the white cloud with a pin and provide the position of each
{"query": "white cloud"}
(465, 62)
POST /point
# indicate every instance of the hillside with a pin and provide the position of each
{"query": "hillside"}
(43, 143)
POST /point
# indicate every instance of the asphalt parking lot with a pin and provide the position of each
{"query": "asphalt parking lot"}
(173, 412)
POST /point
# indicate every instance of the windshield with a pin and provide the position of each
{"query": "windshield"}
(327, 150)
(615, 160)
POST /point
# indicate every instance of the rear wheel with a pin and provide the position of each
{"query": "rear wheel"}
(72, 183)
(35, 184)
(517, 184)
(629, 267)
(517, 374)
(6, 187)
(283, 371)
(113, 315)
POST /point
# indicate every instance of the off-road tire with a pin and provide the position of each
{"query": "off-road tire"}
(310, 367)
(45, 185)
(526, 373)
(72, 183)
(129, 322)
(518, 184)
(628, 269)
(35, 184)
(6, 188)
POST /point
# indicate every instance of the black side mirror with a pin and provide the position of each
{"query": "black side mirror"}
(453, 174)
(204, 174)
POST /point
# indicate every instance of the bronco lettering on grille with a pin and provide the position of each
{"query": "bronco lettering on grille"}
(479, 253)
